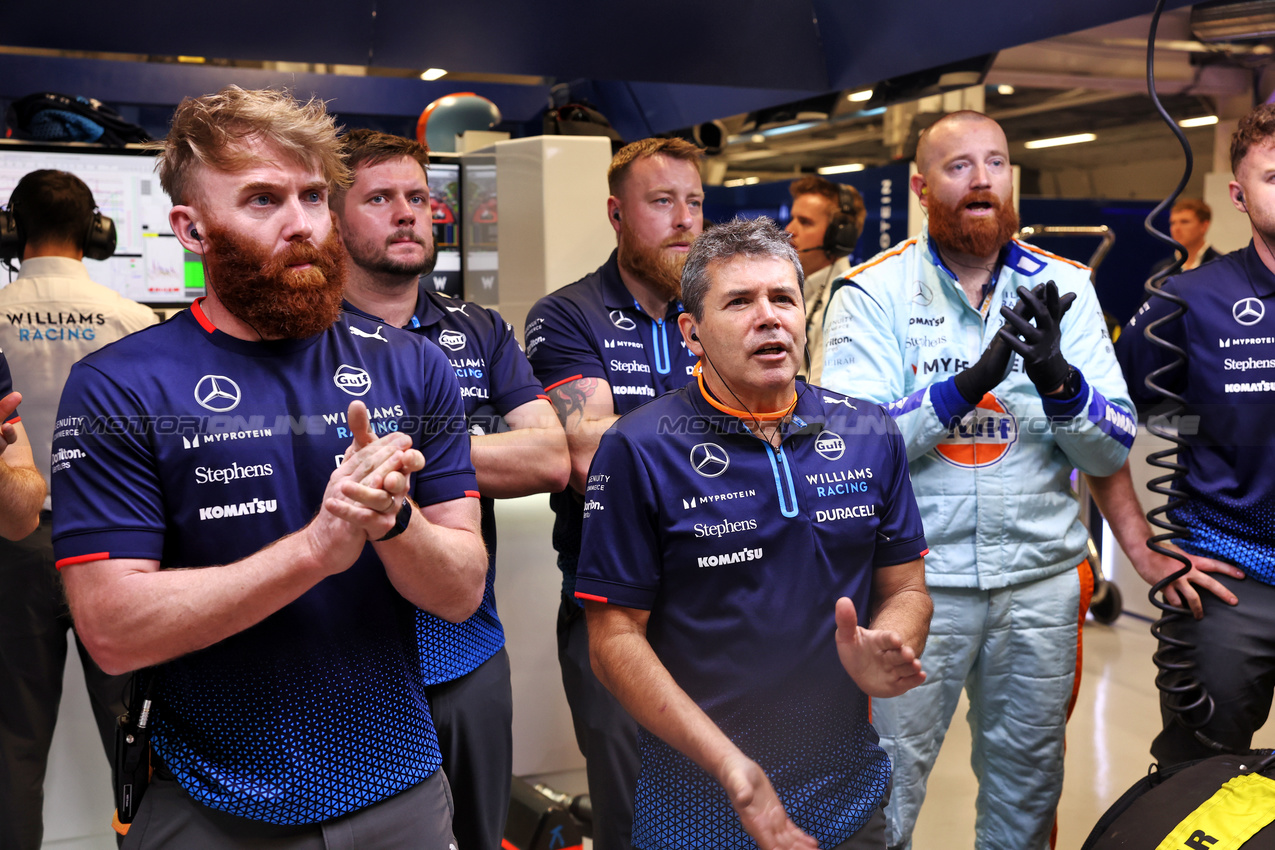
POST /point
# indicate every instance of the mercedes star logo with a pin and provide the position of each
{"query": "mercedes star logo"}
(217, 393)
(709, 460)
(1248, 311)
(622, 321)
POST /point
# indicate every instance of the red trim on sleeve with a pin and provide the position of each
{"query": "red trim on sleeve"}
(13, 420)
(923, 554)
(545, 397)
(473, 494)
(552, 387)
(591, 597)
(80, 559)
(198, 312)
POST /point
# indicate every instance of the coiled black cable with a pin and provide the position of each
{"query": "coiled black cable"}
(1184, 693)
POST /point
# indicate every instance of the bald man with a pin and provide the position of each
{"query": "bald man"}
(994, 361)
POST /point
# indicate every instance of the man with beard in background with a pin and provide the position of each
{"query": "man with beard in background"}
(230, 525)
(601, 347)
(930, 329)
(516, 444)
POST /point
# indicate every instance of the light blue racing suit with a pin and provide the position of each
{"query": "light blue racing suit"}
(993, 485)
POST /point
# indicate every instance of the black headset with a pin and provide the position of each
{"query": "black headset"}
(99, 241)
(842, 233)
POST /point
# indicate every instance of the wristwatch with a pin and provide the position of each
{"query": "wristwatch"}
(400, 522)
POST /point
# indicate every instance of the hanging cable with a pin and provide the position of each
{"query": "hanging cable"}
(1185, 694)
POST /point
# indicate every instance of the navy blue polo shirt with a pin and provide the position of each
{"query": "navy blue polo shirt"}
(185, 445)
(740, 552)
(594, 328)
(494, 378)
(1228, 333)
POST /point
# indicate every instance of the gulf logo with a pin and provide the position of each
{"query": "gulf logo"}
(983, 439)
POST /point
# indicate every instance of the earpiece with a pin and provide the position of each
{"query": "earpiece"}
(616, 215)
(925, 190)
(194, 234)
(1239, 197)
(694, 336)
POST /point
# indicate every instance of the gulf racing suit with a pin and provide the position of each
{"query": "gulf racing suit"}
(993, 485)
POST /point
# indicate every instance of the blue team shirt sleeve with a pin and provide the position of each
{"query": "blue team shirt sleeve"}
(513, 383)
(1139, 357)
(558, 343)
(6, 386)
(900, 536)
(104, 476)
(443, 437)
(620, 551)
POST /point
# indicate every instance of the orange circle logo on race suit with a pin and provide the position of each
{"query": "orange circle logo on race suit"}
(982, 438)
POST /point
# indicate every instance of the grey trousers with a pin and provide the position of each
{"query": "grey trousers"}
(419, 818)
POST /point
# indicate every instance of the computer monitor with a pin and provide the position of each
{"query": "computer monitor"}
(445, 210)
(149, 264)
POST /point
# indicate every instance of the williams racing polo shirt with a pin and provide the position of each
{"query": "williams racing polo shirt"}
(191, 447)
(494, 378)
(740, 552)
(594, 328)
(1228, 381)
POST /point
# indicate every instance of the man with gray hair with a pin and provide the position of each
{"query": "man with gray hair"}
(733, 531)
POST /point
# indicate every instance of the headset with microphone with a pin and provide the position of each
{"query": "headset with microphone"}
(842, 233)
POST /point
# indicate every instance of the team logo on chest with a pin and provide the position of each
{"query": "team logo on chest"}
(983, 438)
(1248, 311)
(452, 340)
(709, 460)
(622, 321)
(352, 380)
(217, 393)
(830, 446)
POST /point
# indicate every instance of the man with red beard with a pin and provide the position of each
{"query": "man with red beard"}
(603, 346)
(931, 328)
(253, 501)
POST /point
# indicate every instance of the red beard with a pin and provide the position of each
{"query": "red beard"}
(260, 289)
(652, 265)
(952, 230)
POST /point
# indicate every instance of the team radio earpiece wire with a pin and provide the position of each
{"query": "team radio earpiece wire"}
(773, 416)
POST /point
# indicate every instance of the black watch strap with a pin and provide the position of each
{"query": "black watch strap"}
(405, 512)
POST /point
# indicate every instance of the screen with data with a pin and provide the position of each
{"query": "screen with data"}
(149, 264)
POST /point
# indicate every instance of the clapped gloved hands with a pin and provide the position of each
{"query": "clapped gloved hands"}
(1040, 345)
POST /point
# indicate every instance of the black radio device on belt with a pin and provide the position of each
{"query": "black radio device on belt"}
(132, 747)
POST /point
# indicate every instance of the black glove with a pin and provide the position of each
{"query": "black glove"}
(986, 374)
(1040, 345)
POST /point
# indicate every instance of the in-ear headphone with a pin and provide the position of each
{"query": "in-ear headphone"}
(1239, 196)
(925, 190)
(694, 336)
(616, 215)
(842, 232)
(194, 234)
